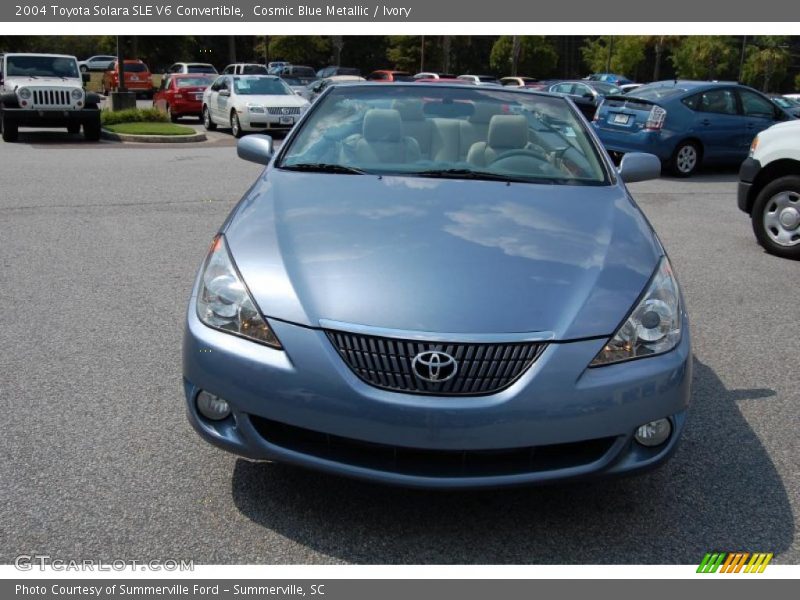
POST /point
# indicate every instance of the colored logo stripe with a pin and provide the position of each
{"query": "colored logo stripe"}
(734, 562)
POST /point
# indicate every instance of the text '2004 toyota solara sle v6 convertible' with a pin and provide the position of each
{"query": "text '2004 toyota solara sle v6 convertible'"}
(440, 286)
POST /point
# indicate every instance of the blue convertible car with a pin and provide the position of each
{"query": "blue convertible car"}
(686, 123)
(440, 286)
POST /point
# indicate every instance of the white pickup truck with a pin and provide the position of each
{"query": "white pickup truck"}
(45, 90)
(769, 188)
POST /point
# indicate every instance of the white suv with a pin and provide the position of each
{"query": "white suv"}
(769, 188)
(45, 90)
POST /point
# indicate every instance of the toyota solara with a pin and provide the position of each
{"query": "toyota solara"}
(440, 286)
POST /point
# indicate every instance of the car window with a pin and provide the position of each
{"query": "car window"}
(200, 69)
(192, 82)
(530, 137)
(754, 105)
(692, 102)
(165, 81)
(721, 102)
(217, 85)
(227, 70)
(581, 90)
(254, 70)
(135, 67)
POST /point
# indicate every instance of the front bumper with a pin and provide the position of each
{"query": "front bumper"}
(261, 121)
(33, 117)
(747, 175)
(310, 395)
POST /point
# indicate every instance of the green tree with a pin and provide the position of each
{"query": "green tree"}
(404, 53)
(616, 54)
(537, 55)
(705, 57)
(300, 49)
(767, 62)
(797, 82)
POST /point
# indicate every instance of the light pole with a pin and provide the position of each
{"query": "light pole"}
(121, 98)
(741, 62)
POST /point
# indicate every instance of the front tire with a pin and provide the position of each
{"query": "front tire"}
(91, 131)
(776, 217)
(10, 131)
(172, 116)
(686, 159)
(208, 124)
(236, 126)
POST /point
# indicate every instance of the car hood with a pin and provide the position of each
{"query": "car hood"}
(442, 255)
(16, 81)
(272, 100)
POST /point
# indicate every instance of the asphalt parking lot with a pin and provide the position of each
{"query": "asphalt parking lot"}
(99, 248)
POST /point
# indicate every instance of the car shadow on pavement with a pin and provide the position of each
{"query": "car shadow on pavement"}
(719, 491)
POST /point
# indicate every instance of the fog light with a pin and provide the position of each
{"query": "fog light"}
(653, 433)
(212, 407)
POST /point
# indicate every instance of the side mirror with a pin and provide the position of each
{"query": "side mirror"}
(85, 77)
(224, 92)
(256, 148)
(589, 96)
(639, 166)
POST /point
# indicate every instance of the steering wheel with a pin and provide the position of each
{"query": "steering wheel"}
(523, 152)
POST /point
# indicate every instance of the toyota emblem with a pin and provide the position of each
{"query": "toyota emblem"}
(434, 366)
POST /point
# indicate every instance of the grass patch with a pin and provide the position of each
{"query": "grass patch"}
(133, 115)
(150, 129)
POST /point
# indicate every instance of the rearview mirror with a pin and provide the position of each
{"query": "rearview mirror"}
(86, 77)
(256, 148)
(639, 166)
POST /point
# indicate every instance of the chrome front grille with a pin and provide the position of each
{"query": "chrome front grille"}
(481, 368)
(289, 110)
(43, 98)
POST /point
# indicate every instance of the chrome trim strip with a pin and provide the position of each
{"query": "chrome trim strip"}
(456, 338)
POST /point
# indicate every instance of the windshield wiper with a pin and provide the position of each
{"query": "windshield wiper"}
(469, 174)
(323, 168)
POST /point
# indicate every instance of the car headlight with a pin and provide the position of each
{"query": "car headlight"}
(77, 94)
(255, 108)
(24, 93)
(654, 325)
(223, 301)
(753, 147)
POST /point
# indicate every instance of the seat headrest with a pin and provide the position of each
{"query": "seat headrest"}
(484, 111)
(508, 131)
(410, 110)
(382, 125)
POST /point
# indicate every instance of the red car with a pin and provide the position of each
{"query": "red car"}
(389, 76)
(137, 77)
(181, 94)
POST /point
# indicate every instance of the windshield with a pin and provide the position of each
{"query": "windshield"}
(656, 91)
(41, 66)
(194, 81)
(449, 132)
(261, 86)
(254, 69)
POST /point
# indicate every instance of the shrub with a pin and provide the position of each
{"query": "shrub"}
(133, 115)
